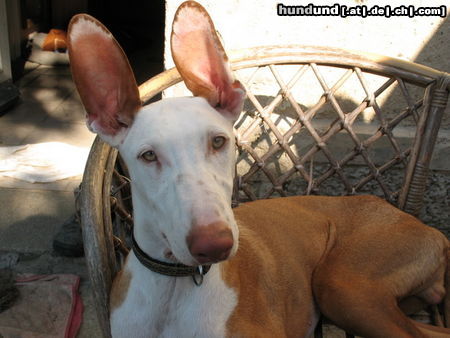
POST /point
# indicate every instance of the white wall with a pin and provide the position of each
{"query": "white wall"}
(248, 23)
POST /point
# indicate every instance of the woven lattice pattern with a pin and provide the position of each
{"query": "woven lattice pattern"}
(291, 144)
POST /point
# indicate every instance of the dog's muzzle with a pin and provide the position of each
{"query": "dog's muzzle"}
(210, 243)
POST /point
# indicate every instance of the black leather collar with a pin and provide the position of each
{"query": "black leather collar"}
(169, 269)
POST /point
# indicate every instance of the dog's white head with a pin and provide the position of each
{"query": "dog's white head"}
(180, 151)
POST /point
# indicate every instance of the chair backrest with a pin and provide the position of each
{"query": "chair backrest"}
(332, 122)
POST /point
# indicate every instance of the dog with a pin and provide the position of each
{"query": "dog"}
(267, 268)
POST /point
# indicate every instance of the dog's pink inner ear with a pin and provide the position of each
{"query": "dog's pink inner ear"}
(103, 76)
(202, 61)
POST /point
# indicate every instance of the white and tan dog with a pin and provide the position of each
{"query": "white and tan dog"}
(274, 265)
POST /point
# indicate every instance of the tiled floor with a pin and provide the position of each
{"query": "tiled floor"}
(49, 109)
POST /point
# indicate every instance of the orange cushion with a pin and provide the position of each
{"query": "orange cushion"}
(56, 40)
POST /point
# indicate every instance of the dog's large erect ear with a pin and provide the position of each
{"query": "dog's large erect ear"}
(103, 78)
(201, 60)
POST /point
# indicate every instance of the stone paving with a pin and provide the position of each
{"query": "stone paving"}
(48, 110)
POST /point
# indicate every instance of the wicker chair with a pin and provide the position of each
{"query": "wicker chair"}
(287, 147)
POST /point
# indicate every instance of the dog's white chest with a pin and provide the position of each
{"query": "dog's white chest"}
(160, 306)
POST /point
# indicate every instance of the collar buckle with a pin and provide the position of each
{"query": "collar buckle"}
(198, 276)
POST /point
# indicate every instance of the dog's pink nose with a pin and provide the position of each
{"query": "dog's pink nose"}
(210, 243)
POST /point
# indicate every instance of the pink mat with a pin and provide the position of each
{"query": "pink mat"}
(48, 306)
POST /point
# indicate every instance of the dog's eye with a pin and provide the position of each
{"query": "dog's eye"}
(218, 142)
(149, 156)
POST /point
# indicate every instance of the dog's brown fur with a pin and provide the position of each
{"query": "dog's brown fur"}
(355, 256)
